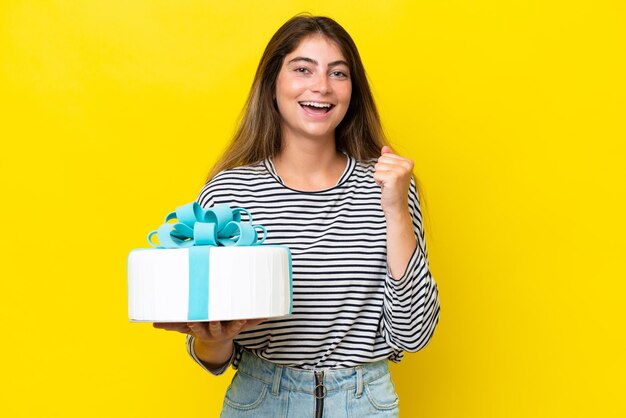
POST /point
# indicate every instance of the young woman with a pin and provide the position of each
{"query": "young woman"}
(310, 161)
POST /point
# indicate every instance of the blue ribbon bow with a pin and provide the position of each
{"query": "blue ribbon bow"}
(218, 226)
(198, 230)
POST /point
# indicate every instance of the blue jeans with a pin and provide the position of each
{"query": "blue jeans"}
(264, 389)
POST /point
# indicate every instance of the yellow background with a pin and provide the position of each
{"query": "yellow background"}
(114, 111)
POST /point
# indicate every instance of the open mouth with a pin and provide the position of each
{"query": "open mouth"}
(316, 107)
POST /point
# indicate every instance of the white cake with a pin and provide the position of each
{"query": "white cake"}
(243, 282)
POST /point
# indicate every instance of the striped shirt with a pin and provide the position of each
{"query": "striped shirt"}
(347, 309)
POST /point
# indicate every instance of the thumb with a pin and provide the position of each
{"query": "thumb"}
(386, 150)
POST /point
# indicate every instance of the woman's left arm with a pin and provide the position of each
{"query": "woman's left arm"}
(393, 175)
(411, 303)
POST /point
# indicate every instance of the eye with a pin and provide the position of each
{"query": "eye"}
(302, 70)
(339, 74)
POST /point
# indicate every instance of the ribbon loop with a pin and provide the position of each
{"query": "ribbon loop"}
(205, 234)
(189, 214)
(264, 234)
(219, 214)
(248, 235)
(237, 214)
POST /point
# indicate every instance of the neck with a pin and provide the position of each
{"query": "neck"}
(309, 164)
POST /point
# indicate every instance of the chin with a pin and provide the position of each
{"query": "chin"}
(319, 134)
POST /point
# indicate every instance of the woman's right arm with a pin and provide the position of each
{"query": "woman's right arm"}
(213, 341)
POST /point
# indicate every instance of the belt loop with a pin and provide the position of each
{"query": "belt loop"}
(359, 381)
(277, 375)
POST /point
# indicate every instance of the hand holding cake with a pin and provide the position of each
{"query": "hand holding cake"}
(213, 340)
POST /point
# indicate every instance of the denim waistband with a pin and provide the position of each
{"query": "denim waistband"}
(301, 380)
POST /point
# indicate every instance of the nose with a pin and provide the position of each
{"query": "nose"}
(321, 84)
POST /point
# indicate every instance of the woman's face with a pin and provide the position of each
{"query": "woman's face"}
(313, 89)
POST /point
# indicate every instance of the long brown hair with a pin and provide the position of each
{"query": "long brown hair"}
(258, 136)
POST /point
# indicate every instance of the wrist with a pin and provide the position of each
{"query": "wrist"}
(214, 354)
(205, 345)
(398, 214)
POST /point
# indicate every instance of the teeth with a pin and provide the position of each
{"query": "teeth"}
(315, 104)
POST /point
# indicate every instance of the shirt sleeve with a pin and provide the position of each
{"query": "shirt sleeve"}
(411, 303)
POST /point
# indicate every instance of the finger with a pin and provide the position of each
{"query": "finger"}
(216, 329)
(394, 159)
(380, 175)
(391, 179)
(390, 169)
(200, 330)
(235, 327)
(382, 170)
(254, 322)
(386, 150)
(172, 326)
(387, 153)
(400, 166)
(380, 167)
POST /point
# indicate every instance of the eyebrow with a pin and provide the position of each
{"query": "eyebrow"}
(312, 61)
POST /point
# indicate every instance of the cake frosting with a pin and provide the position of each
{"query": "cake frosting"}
(242, 283)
